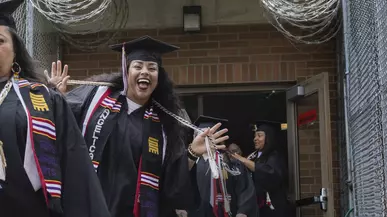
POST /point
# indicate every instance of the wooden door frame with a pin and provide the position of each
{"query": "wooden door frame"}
(318, 84)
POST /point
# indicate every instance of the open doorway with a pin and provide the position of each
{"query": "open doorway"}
(242, 109)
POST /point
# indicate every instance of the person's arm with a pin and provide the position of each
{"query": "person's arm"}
(198, 146)
(248, 163)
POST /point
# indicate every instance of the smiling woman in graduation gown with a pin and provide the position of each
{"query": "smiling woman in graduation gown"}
(136, 148)
(45, 170)
(269, 172)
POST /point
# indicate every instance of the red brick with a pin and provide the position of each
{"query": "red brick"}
(209, 29)
(83, 64)
(107, 56)
(191, 75)
(265, 58)
(203, 60)
(319, 64)
(229, 44)
(204, 45)
(254, 35)
(175, 62)
(223, 52)
(222, 74)
(222, 37)
(192, 53)
(295, 57)
(109, 64)
(75, 57)
(235, 59)
(237, 72)
(253, 72)
(169, 39)
(183, 75)
(261, 27)
(245, 72)
(198, 75)
(324, 56)
(77, 73)
(234, 28)
(214, 74)
(192, 38)
(92, 72)
(182, 46)
(229, 73)
(255, 50)
(206, 74)
(281, 50)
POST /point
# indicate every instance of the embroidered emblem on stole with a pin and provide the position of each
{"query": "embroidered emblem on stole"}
(150, 180)
(153, 145)
(38, 102)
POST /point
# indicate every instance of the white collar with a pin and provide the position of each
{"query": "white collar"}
(132, 106)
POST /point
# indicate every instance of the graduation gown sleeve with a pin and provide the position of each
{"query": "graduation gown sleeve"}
(78, 99)
(270, 174)
(245, 193)
(178, 184)
(82, 194)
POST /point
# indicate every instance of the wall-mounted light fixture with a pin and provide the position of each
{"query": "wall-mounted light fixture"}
(192, 18)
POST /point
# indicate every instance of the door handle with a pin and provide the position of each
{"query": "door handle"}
(322, 199)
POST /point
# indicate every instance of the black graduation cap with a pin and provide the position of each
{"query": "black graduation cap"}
(207, 121)
(145, 48)
(276, 126)
(6, 10)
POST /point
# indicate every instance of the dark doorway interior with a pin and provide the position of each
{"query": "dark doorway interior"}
(242, 109)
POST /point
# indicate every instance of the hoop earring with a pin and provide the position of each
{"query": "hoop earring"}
(15, 69)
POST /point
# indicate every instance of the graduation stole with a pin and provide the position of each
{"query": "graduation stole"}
(146, 201)
(220, 197)
(99, 120)
(261, 200)
(42, 157)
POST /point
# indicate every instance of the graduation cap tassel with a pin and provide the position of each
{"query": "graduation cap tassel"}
(3, 163)
(211, 160)
(124, 74)
(226, 202)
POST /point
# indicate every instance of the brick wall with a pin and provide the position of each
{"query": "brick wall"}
(227, 54)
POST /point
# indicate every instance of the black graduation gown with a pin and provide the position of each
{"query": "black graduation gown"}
(270, 176)
(81, 192)
(241, 189)
(117, 170)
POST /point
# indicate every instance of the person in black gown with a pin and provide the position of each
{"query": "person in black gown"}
(269, 171)
(137, 148)
(45, 170)
(235, 184)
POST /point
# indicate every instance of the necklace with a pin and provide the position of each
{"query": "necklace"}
(4, 92)
(3, 164)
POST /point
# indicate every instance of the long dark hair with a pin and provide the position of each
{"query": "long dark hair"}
(270, 141)
(165, 94)
(167, 97)
(23, 58)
